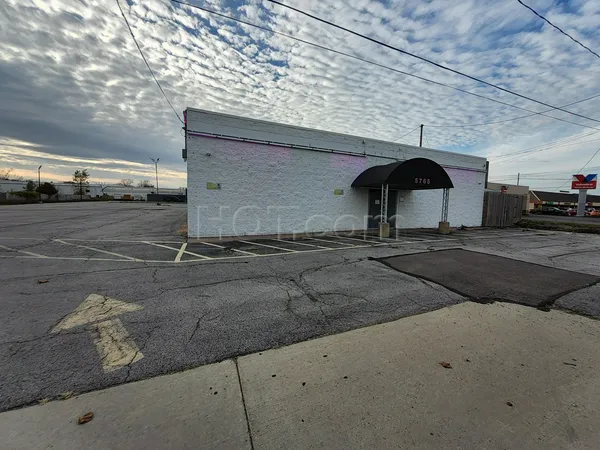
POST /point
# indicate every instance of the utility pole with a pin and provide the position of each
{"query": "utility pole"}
(421, 138)
(39, 185)
(155, 161)
(518, 178)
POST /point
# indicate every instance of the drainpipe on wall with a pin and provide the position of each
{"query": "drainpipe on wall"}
(487, 171)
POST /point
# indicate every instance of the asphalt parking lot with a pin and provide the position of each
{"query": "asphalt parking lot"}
(150, 233)
(75, 276)
(153, 250)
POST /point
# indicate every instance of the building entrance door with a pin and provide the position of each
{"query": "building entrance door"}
(375, 207)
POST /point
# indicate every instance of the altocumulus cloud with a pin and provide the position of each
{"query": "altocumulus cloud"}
(75, 93)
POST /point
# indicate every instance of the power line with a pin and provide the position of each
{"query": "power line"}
(584, 166)
(441, 66)
(559, 29)
(146, 61)
(260, 27)
(541, 173)
(270, 30)
(568, 139)
(540, 150)
(404, 135)
(514, 118)
(543, 148)
(530, 178)
(590, 160)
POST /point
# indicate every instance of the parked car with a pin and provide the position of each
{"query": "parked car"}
(595, 213)
(554, 211)
(571, 212)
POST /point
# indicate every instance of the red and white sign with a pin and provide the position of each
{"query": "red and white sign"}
(584, 181)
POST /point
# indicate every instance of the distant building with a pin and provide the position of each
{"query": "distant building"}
(538, 199)
(93, 190)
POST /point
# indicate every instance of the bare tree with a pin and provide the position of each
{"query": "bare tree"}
(145, 184)
(126, 182)
(9, 174)
(5, 174)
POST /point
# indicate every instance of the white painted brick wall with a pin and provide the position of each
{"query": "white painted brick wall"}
(266, 189)
(423, 209)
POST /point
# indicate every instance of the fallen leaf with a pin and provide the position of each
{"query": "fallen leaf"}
(85, 418)
(446, 365)
(43, 281)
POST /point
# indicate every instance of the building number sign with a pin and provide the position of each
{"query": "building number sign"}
(423, 181)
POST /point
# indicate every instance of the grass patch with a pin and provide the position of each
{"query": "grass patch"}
(183, 230)
(571, 227)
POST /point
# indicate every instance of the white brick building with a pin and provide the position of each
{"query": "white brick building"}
(250, 177)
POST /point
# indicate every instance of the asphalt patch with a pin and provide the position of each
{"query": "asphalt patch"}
(482, 277)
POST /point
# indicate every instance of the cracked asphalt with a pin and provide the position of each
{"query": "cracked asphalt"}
(202, 312)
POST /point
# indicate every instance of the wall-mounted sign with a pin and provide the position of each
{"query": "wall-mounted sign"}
(213, 186)
(584, 181)
(338, 192)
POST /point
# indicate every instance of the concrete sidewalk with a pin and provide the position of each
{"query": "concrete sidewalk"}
(520, 378)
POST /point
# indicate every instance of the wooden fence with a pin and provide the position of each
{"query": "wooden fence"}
(502, 210)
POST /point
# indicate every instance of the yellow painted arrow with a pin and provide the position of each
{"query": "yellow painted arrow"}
(114, 344)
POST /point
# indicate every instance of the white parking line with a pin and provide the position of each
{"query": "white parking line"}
(37, 255)
(304, 243)
(356, 239)
(125, 241)
(22, 238)
(155, 261)
(229, 248)
(412, 238)
(179, 251)
(211, 244)
(332, 242)
(76, 258)
(97, 250)
(269, 246)
(182, 250)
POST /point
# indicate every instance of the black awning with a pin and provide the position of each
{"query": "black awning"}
(413, 174)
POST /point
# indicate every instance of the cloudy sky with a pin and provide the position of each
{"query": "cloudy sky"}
(75, 93)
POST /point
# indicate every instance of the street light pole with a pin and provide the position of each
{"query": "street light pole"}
(155, 161)
(39, 185)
